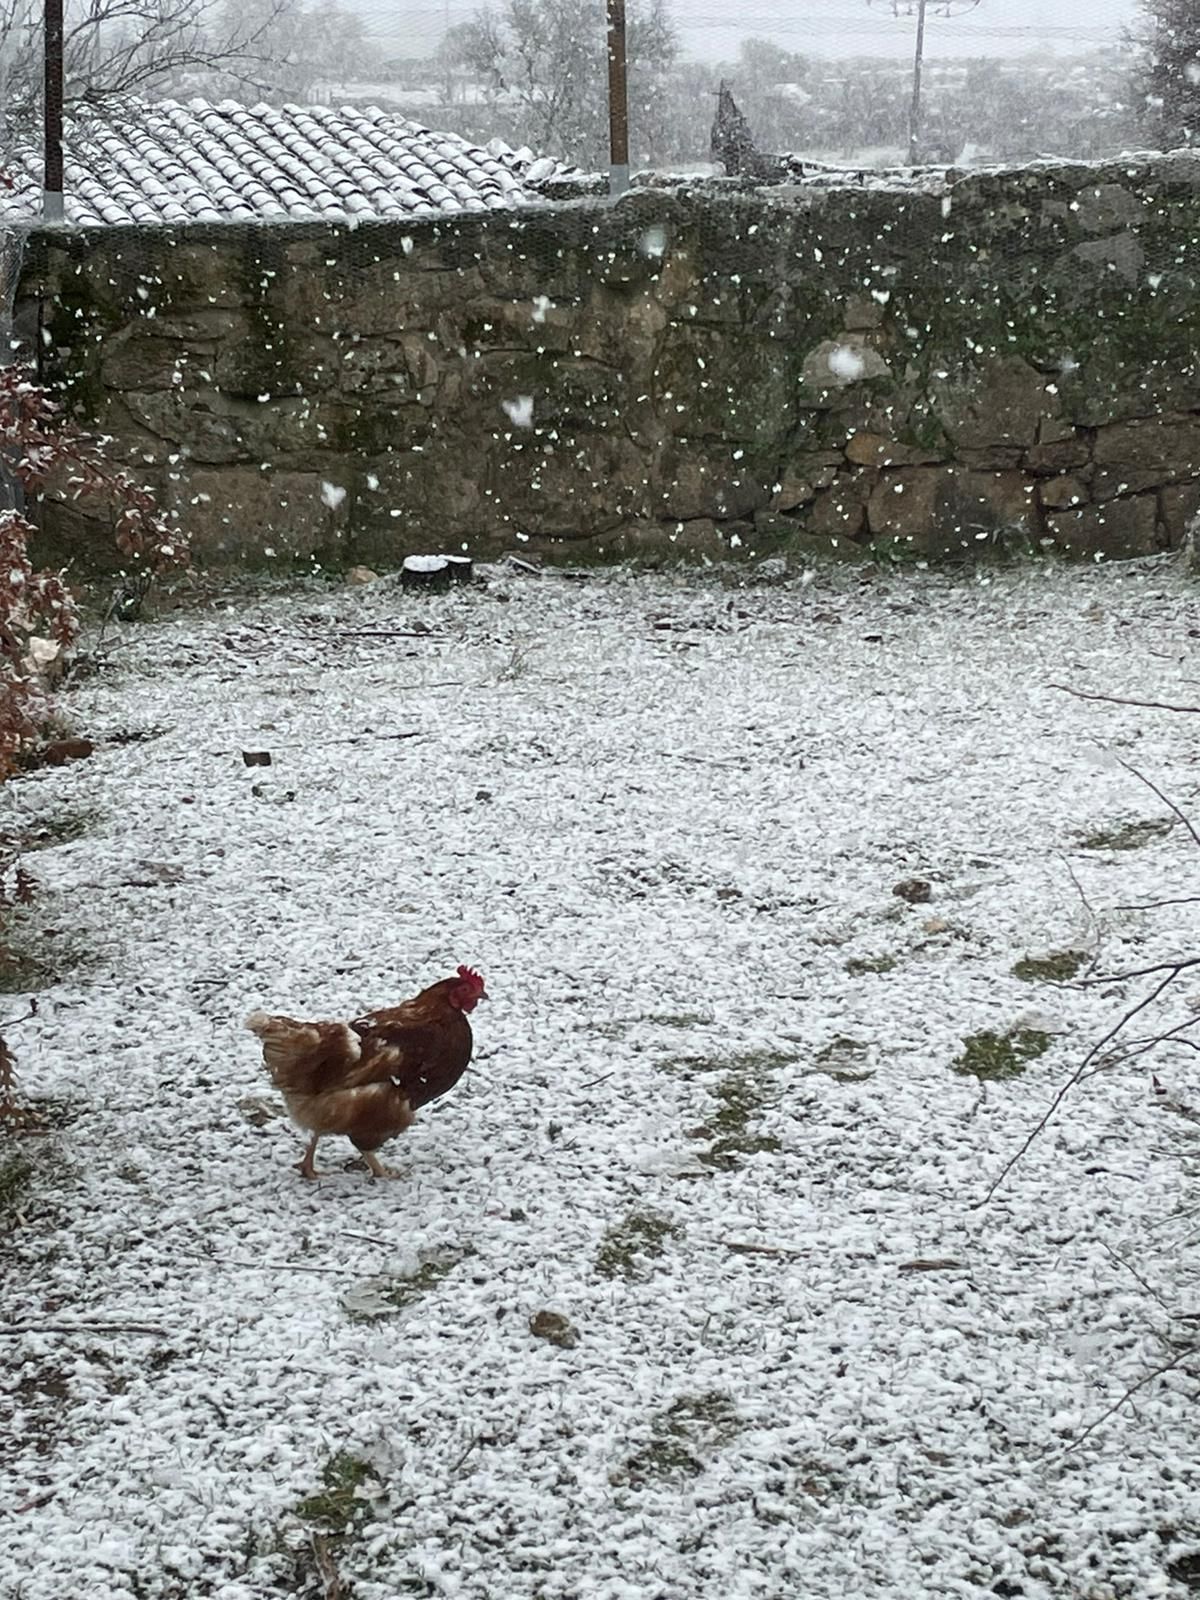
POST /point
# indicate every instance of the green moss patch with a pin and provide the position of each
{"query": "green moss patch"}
(16, 1175)
(683, 1436)
(631, 1246)
(339, 1506)
(739, 1098)
(995, 1056)
(1126, 835)
(1059, 967)
(860, 966)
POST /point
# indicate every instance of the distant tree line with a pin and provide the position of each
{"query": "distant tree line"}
(546, 88)
(533, 72)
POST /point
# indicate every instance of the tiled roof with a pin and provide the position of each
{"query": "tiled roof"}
(173, 163)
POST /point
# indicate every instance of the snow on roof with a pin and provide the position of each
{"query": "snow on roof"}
(172, 163)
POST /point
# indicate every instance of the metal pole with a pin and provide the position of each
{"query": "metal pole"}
(914, 111)
(618, 101)
(52, 183)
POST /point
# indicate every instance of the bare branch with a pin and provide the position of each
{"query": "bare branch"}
(1079, 1073)
(1143, 1382)
(1166, 799)
(1121, 700)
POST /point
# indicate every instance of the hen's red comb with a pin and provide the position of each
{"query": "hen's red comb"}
(469, 975)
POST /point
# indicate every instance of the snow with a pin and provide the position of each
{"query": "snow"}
(519, 411)
(846, 363)
(664, 817)
(171, 163)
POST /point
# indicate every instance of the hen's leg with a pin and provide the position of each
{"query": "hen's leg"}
(378, 1170)
(305, 1165)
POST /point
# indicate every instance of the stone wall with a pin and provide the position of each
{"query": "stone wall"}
(695, 371)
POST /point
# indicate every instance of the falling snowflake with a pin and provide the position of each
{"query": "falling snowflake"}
(846, 364)
(519, 411)
(332, 494)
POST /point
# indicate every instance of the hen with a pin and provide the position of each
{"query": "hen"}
(367, 1078)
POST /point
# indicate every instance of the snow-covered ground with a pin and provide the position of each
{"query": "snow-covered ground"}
(713, 1120)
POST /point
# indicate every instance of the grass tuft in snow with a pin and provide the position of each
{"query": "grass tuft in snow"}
(691, 1429)
(740, 1097)
(33, 957)
(62, 829)
(384, 1296)
(992, 1056)
(843, 1060)
(860, 966)
(630, 1245)
(1126, 835)
(16, 1175)
(679, 1019)
(1056, 968)
(339, 1505)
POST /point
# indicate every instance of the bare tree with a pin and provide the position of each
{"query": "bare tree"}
(1166, 76)
(297, 47)
(546, 59)
(114, 49)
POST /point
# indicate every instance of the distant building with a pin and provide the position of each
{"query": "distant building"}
(169, 163)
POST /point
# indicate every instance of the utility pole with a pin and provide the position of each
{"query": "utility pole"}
(618, 101)
(52, 105)
(914, 110)
(917, 8)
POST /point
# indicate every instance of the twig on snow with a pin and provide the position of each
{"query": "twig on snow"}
(1121, 700)
(1166, 799)
(353, 738)
(1133, 1272)
(741, 1249)
(24, 1017)
(475, 1440)
(265, 1266)
(331, 1583)
(592, 1082)
(1088, 907)
(1173, 967)
(1143, 1382)
(1157, 905)
(1173, 970)
(15, 1328)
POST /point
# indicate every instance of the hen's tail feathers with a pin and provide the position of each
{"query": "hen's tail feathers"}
(294, 1052)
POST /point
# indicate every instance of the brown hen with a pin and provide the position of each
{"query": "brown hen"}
(367, 1078)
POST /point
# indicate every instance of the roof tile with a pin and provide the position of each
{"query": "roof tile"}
(169, 163)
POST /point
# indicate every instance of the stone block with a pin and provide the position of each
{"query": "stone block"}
(1062, 492)
(1117, 530)
(1178, 508)
(244, 514)
(1001, 404)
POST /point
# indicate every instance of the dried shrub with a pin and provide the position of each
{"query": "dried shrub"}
(41, 447)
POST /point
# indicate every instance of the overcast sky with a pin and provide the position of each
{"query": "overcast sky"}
(711, 29)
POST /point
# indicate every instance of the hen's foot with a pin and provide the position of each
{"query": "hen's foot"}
(378, 1170)
(305, 1166)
